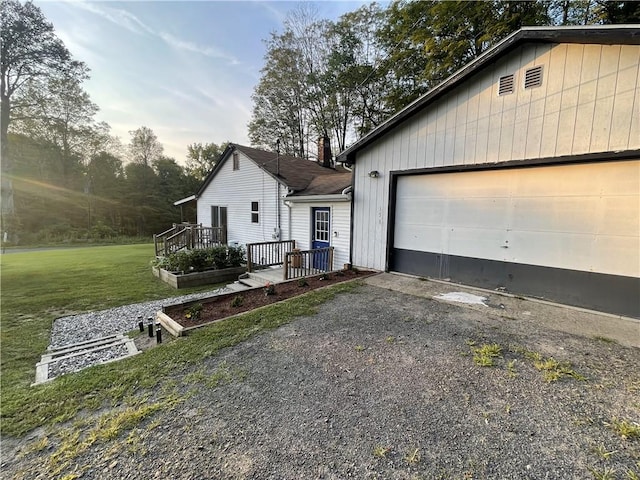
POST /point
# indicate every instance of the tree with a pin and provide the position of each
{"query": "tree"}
(144, 147)
(428, 41)
(29, 52)
(279, 110)
(61, 113)
(201, 159)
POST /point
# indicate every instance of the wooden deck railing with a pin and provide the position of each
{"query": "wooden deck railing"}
(303, 263)
(188, 236)
(267, 254)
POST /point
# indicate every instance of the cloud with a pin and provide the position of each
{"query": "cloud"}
(129, 21)
(212, 52)
(117, 16)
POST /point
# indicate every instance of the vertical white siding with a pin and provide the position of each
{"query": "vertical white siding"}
(236, 189)
(340, 218)
(588, 102)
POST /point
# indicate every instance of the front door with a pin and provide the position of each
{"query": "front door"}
(320, 236)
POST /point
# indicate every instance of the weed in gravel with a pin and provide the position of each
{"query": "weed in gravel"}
(605, 474)
(602, 452)
(413, 457)
(390, 339)
(359, 348)
(552, 370)
(625, 429)
(36, 446)
(633, 475)
(485, 354)
(507, 409)
(381, 452)
(511, 369)
(222, 375)
(604, 339)
(107, 428)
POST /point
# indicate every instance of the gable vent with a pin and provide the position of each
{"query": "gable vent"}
(505, 86)
(533, 77)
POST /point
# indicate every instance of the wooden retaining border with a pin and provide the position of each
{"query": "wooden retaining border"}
(208, 277)
(177, 330)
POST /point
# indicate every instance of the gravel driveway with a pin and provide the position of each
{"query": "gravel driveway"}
(381, 384)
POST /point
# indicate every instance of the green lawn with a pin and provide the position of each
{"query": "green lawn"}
(38, 287)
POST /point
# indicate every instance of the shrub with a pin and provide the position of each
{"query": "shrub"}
(202, 259)
(199, 260)
(235, 256)
(217, 256)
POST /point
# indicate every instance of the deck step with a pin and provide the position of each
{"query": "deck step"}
(252, 282)
(89, 349)
(237, 287)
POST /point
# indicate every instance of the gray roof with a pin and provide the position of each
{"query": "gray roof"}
(602, 34)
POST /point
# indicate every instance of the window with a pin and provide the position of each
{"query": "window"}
(322, 226)
(533, 77)
(219, 224)
(505, 86)
(236, 161)
(255, 210)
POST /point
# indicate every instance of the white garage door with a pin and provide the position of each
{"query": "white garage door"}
(566, 223)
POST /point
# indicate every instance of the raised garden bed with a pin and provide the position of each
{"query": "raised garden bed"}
(195, 279)
(178, 319)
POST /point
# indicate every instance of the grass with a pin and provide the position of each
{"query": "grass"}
(485, 354)
(625, 429)
(38, 286)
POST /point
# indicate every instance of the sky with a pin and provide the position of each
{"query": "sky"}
(185, 69)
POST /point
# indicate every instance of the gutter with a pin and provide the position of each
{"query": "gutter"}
(345, 196)
(185, 200)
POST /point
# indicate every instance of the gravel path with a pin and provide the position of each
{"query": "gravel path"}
(88, 326)
(381, 384)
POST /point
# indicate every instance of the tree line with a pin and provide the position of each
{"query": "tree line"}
(341, 79)
(65, 177)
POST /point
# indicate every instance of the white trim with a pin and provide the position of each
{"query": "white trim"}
(185, 200)
(335, 197)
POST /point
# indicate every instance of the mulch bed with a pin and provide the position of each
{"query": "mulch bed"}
(221, 306)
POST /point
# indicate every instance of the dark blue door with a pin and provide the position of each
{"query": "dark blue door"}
(320, 236)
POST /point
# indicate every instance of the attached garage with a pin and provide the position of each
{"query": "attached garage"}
(495, 181)
(566, 232)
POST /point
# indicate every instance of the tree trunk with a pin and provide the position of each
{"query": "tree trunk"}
(6, 194)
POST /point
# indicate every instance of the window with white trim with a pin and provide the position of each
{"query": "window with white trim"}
(322, 226)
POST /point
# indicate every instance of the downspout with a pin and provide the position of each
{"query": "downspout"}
(353, 176)
(277, 233)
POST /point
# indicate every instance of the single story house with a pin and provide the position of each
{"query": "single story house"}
(261, 196)
(520, 172)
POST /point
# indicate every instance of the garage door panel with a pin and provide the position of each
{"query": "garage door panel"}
(476, 243)
(560, 249)
(577, 214)
(617, 253)
(478, 212)
(429, 211)
(620, 215)
(420, 237)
